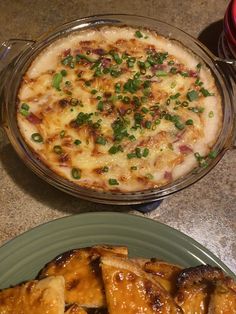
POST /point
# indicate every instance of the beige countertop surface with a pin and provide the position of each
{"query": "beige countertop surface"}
(206, 211)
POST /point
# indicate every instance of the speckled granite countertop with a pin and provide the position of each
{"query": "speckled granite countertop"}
(205, 211)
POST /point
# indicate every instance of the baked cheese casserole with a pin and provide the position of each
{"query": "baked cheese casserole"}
(119, 109)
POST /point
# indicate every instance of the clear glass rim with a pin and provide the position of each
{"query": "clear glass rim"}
(19, 67)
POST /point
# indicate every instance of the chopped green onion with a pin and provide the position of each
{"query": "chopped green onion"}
(175, 96)
(115, 149)
(132, 138)
(100, 106)
(131, 155)
(134, 168)
(192, 95)
(57, 149)
(115, 73)
(198, 66)
(173, 70)
(36, 137)
(205, 92)
(63, 72)
(157, 121)
(87, 83)
(211, 114)
(126, 100)
(138, 34)
(68, 61)
(179, 125)
(144, 110)
(130, 62)
(76, 173)
(138, 152)
(116, 57)
(101, 140)
(118, 87)
(149, 176)
(77, 142)
(80, 56)
(145, 152)
(24, 112)
(184, 74)
(189, 122)
(113, 181)
(25, 106)
(148, 124)
(105, 169)
(198, 82)
(74, 102)
(56, 81)
(62, 133)
(94, 91)
(213, 154)
(161, 73)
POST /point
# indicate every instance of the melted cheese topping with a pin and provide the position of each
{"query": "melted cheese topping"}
(121, 109)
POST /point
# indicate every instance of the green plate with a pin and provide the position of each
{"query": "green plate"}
(23, 257)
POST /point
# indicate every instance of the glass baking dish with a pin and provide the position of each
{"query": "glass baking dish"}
(15, 57)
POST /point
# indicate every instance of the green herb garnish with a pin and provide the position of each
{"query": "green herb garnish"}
(138, 34)
(76, 173)
(113, 181)
(192, 95)
(77, 142)
(57, 149)
(189, 122)
(205, 92)
(36, 137)
(101, 140)
(56, 81)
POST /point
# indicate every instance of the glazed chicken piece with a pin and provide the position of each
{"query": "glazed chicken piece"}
(165, 273)
(194, 287)
(80, 269)
(36, 296)
(130, 290)
(223, 299)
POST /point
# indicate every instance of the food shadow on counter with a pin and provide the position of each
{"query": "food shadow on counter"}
(43, 191)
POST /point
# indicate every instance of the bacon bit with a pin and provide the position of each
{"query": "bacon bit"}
(99, 51)
(33, 118)
(157, 67)
(168, 176)
(67, 52)
(63, 102)
(64, 158)
(179, 136)
(73, 124)
(98, 170)
(80, 73)
(106, 62)
(185, 149)
(193, 73)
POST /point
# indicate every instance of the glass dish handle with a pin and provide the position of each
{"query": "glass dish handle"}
(9, 50)
(229, 67)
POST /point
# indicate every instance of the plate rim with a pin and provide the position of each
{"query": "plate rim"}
(171, 230)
